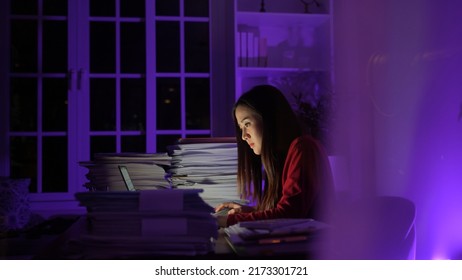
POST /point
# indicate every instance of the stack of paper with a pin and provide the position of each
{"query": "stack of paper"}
(273, 237)
(147, 171)
(147, 223)
(206, 163)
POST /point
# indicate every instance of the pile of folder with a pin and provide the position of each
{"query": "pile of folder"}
(146, 224)
(206, 163)
(304, 238)
(147, 171)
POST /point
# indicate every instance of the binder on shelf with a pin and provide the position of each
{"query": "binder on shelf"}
(238, 49)
(262, 52)
(251, 46)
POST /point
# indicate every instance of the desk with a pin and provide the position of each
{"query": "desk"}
(30, 241)
(62, 248)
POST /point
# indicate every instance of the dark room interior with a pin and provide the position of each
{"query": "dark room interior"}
(377, 82)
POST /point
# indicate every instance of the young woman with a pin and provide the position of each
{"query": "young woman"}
(286, 172)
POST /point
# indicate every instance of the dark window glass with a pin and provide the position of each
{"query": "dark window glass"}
(23, 159)
(198, 136)
(167, 7)
(134, 144)
(197, 47)
(132, 8)
(197, 103)
(133, 104)
(54, 104)
(102, 144)
(102, 47)
(168, 46)
(168, 103)
(55, 46)
(102, 8)
(23, 104)
(196, 8)
(165, 140)
(102, 105)
(133, 47)
(24, 7)
(54, 164)
(55, 7)
(23, 46)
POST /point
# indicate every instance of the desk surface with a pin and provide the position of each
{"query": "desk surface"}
(62, 248)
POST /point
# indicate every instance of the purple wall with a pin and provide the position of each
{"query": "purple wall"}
(399, 81)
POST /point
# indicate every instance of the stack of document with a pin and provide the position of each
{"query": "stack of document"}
(146, 223)
(275, 237)
(147, 171)
(206, 163)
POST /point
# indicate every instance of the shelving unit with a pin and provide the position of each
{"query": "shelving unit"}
(280, 42)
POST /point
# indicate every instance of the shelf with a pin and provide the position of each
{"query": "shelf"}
(284, 40)
(281, 19)
(254, 72)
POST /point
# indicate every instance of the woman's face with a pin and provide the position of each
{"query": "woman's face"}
(251, 126)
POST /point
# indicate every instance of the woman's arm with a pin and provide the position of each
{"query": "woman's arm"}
(306, 172)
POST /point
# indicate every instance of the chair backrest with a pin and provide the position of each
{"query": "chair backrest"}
(381, 228)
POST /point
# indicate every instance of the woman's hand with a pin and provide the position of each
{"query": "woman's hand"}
(234, 208)
(222, 221)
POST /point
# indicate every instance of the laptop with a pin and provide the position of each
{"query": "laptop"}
(127, 180)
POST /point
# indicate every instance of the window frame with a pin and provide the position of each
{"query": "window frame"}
(221, 92)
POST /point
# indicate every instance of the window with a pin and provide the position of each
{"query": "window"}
(95, 76)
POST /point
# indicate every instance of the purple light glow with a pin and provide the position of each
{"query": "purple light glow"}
(398, 76)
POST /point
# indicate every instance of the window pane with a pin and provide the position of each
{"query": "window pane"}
(198, 136)
(133, 104)
(102, 104)
(168, 46)
(23, 160)
(55, 46)
(132, 8)
(196, 8)
(134, 144)
(102, 8)
(55, 7)
(54, 104)
(197, 103)
(168, 103)
(133, 47)
(165, 140)
(167, 7)
(24, 7)
(23, 104)
(197, 47)
(102, 47)
(54, 164)
(23, 46)
(102, 144)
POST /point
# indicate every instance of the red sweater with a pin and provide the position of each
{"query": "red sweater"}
(307, 185)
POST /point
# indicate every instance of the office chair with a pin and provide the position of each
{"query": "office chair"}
(376, 228)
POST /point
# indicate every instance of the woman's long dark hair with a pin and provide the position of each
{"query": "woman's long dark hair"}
(280, 128)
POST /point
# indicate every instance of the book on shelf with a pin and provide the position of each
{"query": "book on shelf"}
(252, 48)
